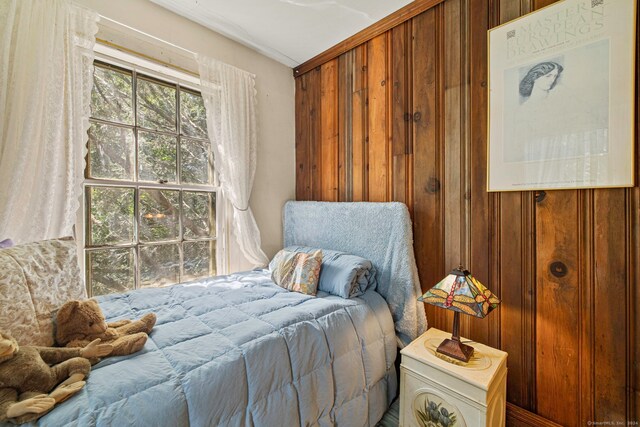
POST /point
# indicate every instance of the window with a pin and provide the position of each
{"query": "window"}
(150, 188)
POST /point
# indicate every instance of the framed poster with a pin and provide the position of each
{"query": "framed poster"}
(561, 97)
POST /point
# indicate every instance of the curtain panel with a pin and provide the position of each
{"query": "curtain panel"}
(229, 96)
(46, 68)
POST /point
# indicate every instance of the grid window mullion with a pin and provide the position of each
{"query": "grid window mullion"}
(136, 246)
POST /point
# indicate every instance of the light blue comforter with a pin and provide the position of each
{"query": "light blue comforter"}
(238, 350)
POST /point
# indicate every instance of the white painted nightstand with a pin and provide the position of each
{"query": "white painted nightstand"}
(458, 394)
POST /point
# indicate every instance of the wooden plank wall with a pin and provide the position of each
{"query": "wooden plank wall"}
(403, 117)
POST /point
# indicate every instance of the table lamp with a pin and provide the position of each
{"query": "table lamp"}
(462, 293)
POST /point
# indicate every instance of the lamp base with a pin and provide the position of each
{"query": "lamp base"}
(455, 349)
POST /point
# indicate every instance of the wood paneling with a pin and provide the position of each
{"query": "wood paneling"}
(377, 140)
(403, 116)
(557, 288)
(427, 151)
(329, 131)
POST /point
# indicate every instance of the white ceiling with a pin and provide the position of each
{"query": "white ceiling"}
(289, 31)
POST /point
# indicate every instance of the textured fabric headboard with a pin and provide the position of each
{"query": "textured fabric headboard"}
(35, 280)
(380, 232)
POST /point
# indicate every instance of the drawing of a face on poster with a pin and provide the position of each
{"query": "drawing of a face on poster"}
(558, 107)
(539, 81)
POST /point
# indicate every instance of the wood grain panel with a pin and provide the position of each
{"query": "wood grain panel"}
(584, 359)
(633, 301)
(360, 126)
(329, 130)
(557, 289)
(454, 75)
(345, 133)
(516, 267)
(480, 227)
(400, 106)
(378, 130)
(314, 92)
(426, 148)
(303, 125)
(610, 286)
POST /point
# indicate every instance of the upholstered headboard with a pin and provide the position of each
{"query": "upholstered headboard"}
(36, 279)
(380, 232)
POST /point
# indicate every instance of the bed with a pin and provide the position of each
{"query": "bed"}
(239, 350)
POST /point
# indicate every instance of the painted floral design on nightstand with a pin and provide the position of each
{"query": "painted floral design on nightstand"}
(433, 411)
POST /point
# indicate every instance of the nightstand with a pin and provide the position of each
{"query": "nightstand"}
(437, 391)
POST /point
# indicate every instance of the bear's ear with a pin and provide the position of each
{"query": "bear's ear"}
(63, 321)
(66, 311)
(94, 305)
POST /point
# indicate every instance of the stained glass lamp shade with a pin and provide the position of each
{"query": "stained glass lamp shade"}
(462, 293)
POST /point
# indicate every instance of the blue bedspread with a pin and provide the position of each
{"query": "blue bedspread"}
(238, 350)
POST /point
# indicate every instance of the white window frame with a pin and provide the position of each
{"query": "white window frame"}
(164, 73)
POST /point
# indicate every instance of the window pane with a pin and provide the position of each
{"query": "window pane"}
(198, 214)
(111, 95)
(159, 210)
(111, 152)
(199, 260)
(157, 157)
(156, 106)
(195, 161)
(111, 211)
(159, 265)
(193, 118)
(110, 270)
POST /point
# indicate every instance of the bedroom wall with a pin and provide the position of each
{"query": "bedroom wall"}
(275, 176)
(403, 116)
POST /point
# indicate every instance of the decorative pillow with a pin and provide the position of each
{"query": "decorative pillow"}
(296, 271)
(36, 279)
(342, 274)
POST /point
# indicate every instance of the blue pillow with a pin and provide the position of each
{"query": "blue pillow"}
(342, 274)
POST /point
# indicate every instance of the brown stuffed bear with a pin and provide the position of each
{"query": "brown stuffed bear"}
(80, 322)
(26, 376)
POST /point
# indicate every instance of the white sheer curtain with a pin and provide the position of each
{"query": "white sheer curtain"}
(230, 100)
(46, 56)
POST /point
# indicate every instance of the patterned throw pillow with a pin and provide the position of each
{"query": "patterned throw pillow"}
(297, 271)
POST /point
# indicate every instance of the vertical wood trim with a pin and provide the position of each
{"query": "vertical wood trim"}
(303, 159)
(587, 304)
(314, 91)
(452, 129)
(479, 205)
(345, 114)
(633, 305)
(399, 108)
(360, 94)
(426, 178)
(610, 284)
(389, 115)
(409, 141)
(329, 131)
(377, 148)
(516, 274)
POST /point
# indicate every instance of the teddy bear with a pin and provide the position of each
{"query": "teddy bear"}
(80, 322)
(34, 379)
